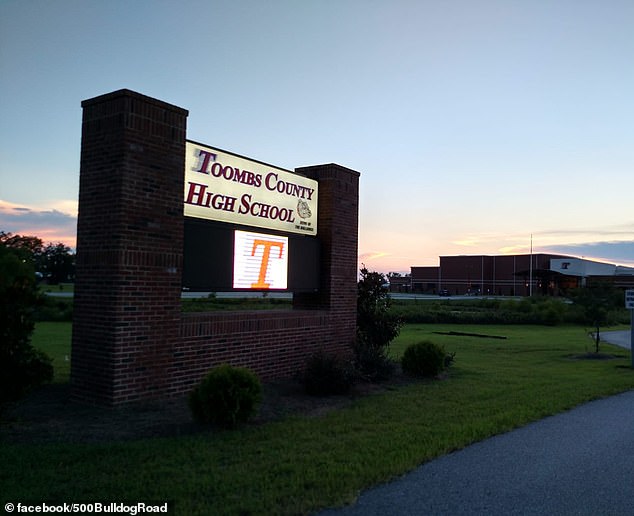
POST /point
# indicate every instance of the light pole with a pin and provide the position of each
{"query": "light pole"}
(530, 271)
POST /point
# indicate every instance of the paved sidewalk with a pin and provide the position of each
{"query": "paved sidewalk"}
(580, 462)
(618, 338)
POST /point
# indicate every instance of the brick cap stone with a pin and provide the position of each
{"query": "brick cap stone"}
(333, 166)
(107, 97)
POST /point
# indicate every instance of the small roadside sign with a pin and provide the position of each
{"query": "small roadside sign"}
(629, 304)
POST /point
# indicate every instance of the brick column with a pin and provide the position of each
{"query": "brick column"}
(338, 229)
(129, 247)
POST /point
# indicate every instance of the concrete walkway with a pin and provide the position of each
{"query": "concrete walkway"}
(580, 462)
(618, 338)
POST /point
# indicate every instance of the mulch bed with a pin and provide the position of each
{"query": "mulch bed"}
(48, 414)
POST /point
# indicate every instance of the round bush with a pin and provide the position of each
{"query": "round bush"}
(227, 396)
(423, 359)
(327, 375)
(373, 364)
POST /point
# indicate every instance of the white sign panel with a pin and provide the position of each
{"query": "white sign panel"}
(629, 299)
(228, 188)
(260, 261)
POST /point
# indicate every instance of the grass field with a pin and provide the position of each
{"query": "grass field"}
(61, 287)
(54, 339)
(301, 464)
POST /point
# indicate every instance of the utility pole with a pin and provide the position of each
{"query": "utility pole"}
(530, 271)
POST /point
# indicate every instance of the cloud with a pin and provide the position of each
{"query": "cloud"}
(468, 242)
(619, 252)
(495, 242)
(514, 249)
(613, 244)
(624, 231)
(49, 223)
(372, 255)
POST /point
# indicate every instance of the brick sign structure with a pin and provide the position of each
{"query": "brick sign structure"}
(131, 340)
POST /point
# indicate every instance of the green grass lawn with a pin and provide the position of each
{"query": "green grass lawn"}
(61, 287)
(54, 339)
(301, 464)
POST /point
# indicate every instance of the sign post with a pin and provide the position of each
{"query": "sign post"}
(629, 304)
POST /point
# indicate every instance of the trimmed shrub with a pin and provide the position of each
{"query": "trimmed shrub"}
(22, 367)
(377, 326)
(424, 359)
(22, 372)
(226, 397)
(373, 364)
(326, 375)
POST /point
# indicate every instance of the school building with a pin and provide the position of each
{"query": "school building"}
(514, 275)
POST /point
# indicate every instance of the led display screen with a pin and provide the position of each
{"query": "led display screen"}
(222, 258)
(260, 261)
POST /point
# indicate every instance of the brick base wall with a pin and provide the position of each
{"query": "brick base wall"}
(274, 344)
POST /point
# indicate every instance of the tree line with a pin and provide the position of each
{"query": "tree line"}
(53, 263)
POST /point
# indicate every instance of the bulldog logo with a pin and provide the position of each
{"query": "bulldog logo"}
(303, 210)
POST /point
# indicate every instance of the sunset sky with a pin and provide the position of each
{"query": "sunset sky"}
(474, 123)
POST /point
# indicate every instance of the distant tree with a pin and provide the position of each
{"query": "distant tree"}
(22, 367)
(376, 326)
(393, 275)
(597, 303)
(57, 263)
(26, 247)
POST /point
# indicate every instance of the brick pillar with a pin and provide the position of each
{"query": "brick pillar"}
(129, 247)
(338, 230)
